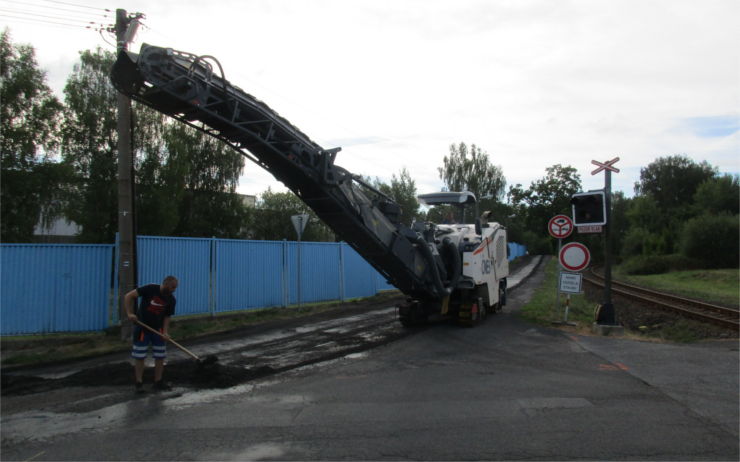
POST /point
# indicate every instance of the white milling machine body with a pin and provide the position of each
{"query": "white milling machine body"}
(480, 289)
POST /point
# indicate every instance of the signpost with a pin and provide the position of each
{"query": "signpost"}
(560, 227)
(299, 223)
(590, 229)
(571, 283)
(606, 315)
(574, 256)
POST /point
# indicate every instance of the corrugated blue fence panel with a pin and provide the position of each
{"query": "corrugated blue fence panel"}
(54, 288)
(248, 274)
(360, 279)
(187, 259)
(48, 288)
(319, 275)
(516, 250)
(382, 284)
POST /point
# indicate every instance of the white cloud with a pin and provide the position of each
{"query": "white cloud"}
(534, 83)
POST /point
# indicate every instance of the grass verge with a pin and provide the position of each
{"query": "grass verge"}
(640, 322)
(721, 286)
(543, 308)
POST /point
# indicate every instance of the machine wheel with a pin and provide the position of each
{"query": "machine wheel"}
(482, 310)
(412, 315)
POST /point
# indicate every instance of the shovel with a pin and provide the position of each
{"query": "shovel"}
(208, 360)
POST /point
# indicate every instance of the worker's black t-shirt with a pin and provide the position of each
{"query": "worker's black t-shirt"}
(154, 306)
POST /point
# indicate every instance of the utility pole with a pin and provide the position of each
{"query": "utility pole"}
(125, 29)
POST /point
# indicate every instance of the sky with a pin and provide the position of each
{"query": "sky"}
(395, 82)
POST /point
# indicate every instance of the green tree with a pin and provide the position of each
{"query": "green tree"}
(672, 181)
(185, 179)
(717, 195)
(89, 146)
(403, 191)
(665, 201)
(545, 198)
(31, 184)
(471, 170)
(201, 173)
(270, 220)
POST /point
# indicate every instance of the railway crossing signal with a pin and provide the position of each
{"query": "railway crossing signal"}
(608, 165)
(589, 208)
(606, 315)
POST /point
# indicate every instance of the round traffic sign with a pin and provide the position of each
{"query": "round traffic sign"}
(560, 226)
(574, 256)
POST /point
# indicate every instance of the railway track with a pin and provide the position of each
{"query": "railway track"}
(695, 309)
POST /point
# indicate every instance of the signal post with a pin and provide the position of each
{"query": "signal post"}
(593, 209)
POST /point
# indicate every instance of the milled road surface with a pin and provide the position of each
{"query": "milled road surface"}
(503, 390)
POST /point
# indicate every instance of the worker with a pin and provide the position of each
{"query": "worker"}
(156, 307)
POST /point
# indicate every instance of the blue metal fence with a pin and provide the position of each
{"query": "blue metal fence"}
(54, 287)
(47, 288)
(516, 250)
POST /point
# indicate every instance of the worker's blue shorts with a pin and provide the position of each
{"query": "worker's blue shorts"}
(142, 340)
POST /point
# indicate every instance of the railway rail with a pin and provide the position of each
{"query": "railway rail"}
(695, 309)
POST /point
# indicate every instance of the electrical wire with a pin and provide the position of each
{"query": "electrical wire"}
(66, 10)
(42, 21)
(77, 5)
(38, 15)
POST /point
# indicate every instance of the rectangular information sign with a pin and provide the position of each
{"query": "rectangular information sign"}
(590, 229)
(571, 282)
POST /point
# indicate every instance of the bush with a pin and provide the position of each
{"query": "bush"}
(538, 244)
(713, 240)
(659, 264)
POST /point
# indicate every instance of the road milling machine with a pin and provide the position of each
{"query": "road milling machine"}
(455, 270)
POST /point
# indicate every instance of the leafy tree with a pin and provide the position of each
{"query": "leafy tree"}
(712, 239)
(664, 201)
(270, 220)
(672, 181)
(720, 194)
(30, 183)
(403, 191)
(185, 180)
(202, 173)
(545, 198)
(89, 146)
(471, 170)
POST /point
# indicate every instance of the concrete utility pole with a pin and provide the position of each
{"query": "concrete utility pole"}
(125, 29)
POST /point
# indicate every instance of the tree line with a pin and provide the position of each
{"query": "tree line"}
(59, 160)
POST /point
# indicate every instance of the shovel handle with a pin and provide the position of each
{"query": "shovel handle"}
(193, 355)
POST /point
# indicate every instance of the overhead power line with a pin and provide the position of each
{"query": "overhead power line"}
(78, 5)
(34, 14)
(106, 13)
(43, 21)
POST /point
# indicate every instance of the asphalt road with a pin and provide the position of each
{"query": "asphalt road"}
(503, 390)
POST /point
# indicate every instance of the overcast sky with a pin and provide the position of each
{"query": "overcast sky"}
(395, 82)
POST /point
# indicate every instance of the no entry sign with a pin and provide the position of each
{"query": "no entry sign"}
(560, 226)
(574, 256)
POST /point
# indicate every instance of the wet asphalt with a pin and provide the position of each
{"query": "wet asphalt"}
(506, 390)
